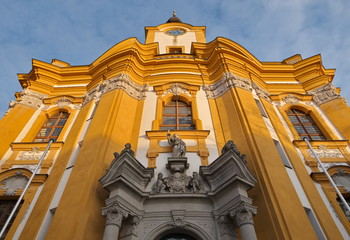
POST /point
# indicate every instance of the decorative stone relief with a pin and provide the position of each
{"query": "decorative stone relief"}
(178, 218)
(291, 99)
(324, 94)
(178, 181)
(323, 152)
(92, 94)
(243, 214)
(62, 102)
(262, 93)
(177, 89)
(11, 184)
(122, 81)
(35, 154)
(342, 179)
(114, 214)
(29, 98)
(228, 81)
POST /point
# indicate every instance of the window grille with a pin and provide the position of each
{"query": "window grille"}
(305, 125)
(177, 115)
(52, 127)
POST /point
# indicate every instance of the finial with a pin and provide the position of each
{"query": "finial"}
(174, 13)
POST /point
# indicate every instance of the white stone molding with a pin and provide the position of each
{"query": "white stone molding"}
(324, 94)
(342, 179)
(92, 94)
(63, 102)
(122, 81)
(228, 81)
(262, 93)
(326, 153)
(29, 98)
(35, 154)
(11, 184)
(30, 167)
(177, 89)
(291, 99)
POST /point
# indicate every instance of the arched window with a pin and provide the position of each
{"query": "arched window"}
(177, 115)
(52, 127)
(305, 125)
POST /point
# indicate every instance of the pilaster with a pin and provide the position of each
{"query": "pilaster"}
(110, 128)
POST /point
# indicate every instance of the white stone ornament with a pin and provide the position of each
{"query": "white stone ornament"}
(291, 99)
(228, 81)
(29, 98)
(177, 89)
(122, 81)
(13, 183)
(324, 94)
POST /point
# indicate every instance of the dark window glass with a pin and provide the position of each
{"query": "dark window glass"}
(304, 125)
(52, 127)
(6, 207)
(177, 237)
(177, 115)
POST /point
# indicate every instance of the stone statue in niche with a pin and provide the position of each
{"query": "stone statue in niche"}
(179, 146)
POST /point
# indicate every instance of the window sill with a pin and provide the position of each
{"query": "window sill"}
(40, 146)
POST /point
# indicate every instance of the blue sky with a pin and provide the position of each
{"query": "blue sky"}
(78, 32)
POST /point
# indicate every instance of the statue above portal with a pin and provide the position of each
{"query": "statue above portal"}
(179, 146)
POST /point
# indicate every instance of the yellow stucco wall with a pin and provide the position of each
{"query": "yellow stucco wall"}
(234, 113)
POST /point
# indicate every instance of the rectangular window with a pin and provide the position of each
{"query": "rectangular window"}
(175, 50)
(314, 224)
(283, 155)
(261, 108)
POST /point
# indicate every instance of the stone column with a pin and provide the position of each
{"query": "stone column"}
(114, 217)
(243, 215)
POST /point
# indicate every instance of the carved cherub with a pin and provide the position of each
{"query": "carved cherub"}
(195, 183)
(159, 185)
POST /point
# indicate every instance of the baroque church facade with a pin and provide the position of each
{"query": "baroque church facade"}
(177, 138)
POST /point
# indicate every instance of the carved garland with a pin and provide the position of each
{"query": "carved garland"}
(122, 81)
(29, 98)
(324, 94)
(228, 81)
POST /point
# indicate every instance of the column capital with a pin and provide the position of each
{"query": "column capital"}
(114, 214)
(243, 214)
